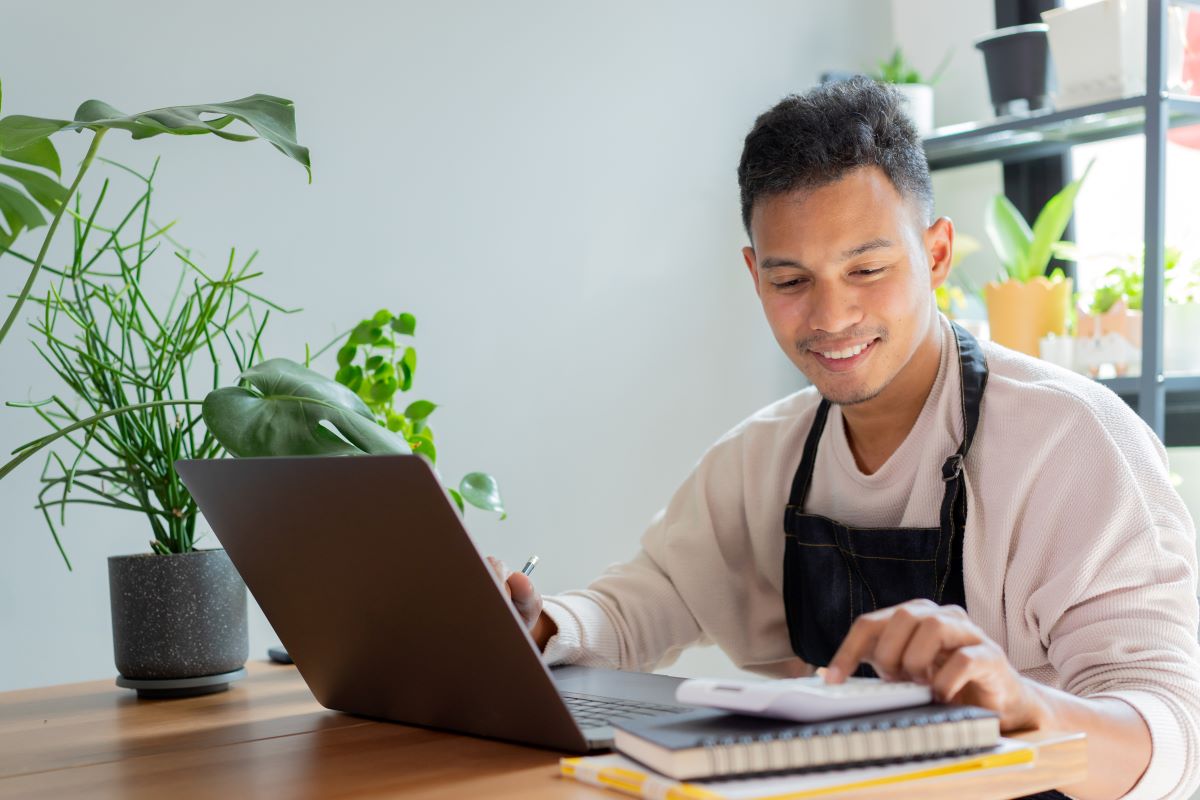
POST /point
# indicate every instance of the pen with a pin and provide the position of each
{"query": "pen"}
(529, 565)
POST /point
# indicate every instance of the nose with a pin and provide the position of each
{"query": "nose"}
(833, 307)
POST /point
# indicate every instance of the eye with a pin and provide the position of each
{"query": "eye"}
(867, 272)
(790, 284)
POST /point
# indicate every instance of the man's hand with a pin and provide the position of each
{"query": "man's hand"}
(941, 647)
(526, 599)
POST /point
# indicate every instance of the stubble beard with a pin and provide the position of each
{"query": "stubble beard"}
(848, 397)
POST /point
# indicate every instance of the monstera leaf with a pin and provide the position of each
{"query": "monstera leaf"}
(25, 192)
(281, 414)
(272, 118)
(26, 139)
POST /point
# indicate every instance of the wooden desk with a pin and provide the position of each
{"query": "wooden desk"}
(268, 737)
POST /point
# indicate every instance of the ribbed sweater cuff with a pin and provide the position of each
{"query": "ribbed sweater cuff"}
(1169, 743)
(585, 634)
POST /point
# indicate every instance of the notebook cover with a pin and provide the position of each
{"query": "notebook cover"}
(709, 726)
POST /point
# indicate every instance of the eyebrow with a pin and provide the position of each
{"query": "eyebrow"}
(858, 250)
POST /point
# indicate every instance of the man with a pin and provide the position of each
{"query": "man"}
(953, 513)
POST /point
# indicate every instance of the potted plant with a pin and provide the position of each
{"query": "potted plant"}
(1017, 61)
(916, 91)
(1099, 50)
(282, 408)
(126, 361)
(1026, 305)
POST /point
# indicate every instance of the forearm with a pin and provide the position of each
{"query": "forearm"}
(1118, 740)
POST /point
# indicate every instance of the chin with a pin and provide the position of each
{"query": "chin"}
(849, 395)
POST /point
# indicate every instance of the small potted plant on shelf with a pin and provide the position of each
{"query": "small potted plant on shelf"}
(916, 91)
(1026, 305)
(126, 361)
(1017, 61)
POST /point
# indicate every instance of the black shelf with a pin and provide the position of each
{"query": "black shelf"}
(1129, 386)
(1038, 135)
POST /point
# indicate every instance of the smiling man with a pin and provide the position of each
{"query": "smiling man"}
(932, 508)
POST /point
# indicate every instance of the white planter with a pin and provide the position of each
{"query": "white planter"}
(1181, 337)
(918, 102)
(1099, 50)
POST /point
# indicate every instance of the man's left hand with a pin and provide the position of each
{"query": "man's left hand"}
(941, 647)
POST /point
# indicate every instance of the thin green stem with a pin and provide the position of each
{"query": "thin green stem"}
(37, 444)
(87, 162)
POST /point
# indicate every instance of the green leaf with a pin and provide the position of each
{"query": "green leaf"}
(424, 447)
(457, 497)
(271, 118)
(18, 131)
(346, 354)
(39, 154)
(1050, 223)
(374, 362)
(405, 323)
(382, 390)
(1010, 235)
(47, 191)
(419, 409)
(382, 317)
(481, 490)
(281, 412)
(365, 333)
(408, 368)
(350, 376)
(18, 210)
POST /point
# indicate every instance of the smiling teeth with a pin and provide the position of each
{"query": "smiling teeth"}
(849, 352)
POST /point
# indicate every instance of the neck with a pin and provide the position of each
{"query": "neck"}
(876, 428)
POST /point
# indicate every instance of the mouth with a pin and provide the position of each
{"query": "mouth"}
(844, 358)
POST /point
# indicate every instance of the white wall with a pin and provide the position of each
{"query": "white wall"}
(550, 187)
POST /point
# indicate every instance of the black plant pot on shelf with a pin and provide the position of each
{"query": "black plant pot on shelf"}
(179, 622)
(1017, 60)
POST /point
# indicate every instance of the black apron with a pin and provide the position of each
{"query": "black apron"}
(832, 573)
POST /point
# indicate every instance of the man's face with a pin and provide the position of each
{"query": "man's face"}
(845, 274)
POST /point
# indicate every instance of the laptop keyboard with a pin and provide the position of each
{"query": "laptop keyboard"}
(592, 711)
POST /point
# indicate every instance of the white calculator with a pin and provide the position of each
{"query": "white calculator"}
(803, 699)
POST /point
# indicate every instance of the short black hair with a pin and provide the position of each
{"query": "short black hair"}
(810, 140)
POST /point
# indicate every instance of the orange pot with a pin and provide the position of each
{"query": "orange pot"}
(1118, 319)
(1020, 314)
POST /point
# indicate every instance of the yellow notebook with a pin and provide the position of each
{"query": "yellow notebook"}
(624, 775)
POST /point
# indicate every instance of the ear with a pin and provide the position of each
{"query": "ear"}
(939, 247)
(751, 264)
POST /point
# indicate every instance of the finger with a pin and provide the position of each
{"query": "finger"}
(859, 642)
(893, 643)
(961, 667)
(501, 572)
(935, 635)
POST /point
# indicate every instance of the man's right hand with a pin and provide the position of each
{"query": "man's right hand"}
(526, 599)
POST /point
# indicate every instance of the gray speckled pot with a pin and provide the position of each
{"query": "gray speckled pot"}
(177, 616)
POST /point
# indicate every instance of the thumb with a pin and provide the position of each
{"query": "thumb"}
(525, 597)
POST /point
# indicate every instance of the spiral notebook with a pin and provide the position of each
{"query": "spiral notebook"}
(707, 743)
(621, 774)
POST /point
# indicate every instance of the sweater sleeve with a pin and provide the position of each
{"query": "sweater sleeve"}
(1106, 558)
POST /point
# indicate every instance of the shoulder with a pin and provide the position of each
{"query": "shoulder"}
(767, 436)
(1036, 395)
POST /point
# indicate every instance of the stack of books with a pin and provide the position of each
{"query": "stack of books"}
(714, 755)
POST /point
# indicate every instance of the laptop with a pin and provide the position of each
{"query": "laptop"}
(365, 571)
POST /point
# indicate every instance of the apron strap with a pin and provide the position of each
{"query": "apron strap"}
(803, 477)
(973, 375)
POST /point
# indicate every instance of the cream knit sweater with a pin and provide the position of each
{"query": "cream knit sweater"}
(1079, 556)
